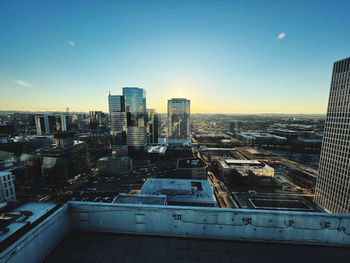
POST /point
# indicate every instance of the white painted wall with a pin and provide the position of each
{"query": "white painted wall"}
(37, 244)
(218, 223)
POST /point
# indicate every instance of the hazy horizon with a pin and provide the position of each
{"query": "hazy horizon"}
(228, 57)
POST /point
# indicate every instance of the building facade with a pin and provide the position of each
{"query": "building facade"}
(116, 103)
(7, 187)
(117, 116)
(152, 126)
(65, 161)
(191, 168)
(135, 99)
(333, 181)
(179, 120)
(49, 124)
(114, 165)
(135, 107)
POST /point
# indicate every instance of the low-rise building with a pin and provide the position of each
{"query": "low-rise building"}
(65, 161)
(181, 192)
(245, 167)
(156, 149)
(114, 165)
(191, 168)
(261, 138)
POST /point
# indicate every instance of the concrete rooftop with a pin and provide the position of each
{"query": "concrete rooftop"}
(103, 247)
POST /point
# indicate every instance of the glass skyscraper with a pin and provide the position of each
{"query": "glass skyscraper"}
(135, 107)
(333, 181)
(152, 126)
(128, 119)
(117, 116)
(135, 99)
(116, 103)
(179, 120)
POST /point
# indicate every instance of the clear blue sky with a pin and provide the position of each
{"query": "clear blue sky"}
(225, 56)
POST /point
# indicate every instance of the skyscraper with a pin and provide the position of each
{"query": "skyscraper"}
(333, 181)
(117, 116)
(116, 103)
(135, 99)
(135, 107)
(152, 126)
(179, 120)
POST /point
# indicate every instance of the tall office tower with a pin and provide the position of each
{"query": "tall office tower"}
(116, 103)
(117, 116)
(333, 181)
(152, 126)
(135, 99)
(179, 121)
(135, 107)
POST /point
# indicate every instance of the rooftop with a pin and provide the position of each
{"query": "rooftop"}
(180, 190)
(21, 216)
(105, 232)
(190, 163)
(242, 162)
(220, 149)
(157, 149)
(106, 247)
(140, 199)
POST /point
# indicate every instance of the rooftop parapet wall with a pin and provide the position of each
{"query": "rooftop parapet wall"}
(38, 243)
(229, 224)
(225, 224)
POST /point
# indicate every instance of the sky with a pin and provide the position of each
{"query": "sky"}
(225, 56)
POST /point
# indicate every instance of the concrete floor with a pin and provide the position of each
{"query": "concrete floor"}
(104, 247)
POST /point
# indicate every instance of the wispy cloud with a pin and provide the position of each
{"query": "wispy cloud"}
(281, 35)
(72, 43)
(22, 83)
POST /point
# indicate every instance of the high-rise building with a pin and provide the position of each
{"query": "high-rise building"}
(117, 117)
(116, 103)
(152, 126)
(333, 181)
(118, 122)
(135, 107)
(179, 120)
(135, 99)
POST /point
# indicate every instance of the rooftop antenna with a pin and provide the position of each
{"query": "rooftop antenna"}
(109, 93)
